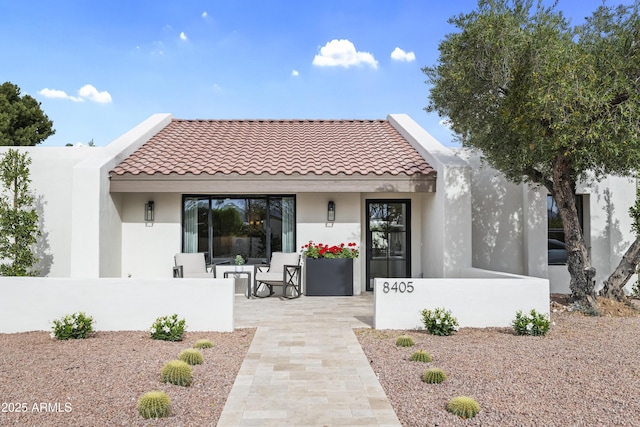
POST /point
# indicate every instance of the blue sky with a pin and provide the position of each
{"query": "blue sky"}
(99, 68)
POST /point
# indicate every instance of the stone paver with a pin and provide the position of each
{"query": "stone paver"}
(305, 366)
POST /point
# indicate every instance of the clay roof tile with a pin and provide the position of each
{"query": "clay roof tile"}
(275, 146)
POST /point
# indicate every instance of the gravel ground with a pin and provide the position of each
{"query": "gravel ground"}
(97, 381)
(585, 372)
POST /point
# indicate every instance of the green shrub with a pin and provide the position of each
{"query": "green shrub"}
(420, 356)
(439, 321)
(535, 323)
(72, 326)
(463, 406)
(405, 341)
(203, 343)
(168, 328)
(177, 372)
(434, 376)
(191, 356)
(154, 404)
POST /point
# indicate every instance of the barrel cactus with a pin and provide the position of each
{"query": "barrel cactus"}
(434, 376)
(420, 356)
(154, 404)
(203, 343)
(177, 372)
(463, 406)
(405, 341)
(191, 356)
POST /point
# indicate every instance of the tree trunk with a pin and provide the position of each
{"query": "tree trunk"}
(579, 263)
(621, 275)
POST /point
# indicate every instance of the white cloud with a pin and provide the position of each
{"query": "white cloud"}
(86, 92)
(445, 123)
(58, 94)
(205, 14)
(400, 55)
(295, 73)
(343, 53)
(183, 36)
(91, 93)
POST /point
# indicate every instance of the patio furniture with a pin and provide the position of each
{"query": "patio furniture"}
(284, 270)
(236, 274)
(191, 265)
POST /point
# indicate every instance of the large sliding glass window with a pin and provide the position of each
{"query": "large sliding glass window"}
(223, 227)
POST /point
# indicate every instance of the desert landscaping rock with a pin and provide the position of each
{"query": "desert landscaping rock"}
(583, 373)
(97, 381)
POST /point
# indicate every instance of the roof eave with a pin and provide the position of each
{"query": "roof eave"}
(265, 183)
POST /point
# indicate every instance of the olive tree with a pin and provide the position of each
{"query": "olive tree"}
(545, 102)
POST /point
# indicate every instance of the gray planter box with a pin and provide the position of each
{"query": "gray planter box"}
(328, 276)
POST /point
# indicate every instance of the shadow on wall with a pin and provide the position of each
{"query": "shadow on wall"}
(42, 249)
(498, 221)
(458, 197)
(607, 260)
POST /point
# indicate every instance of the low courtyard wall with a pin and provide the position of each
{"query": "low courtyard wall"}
(116, 304)
(480, 299)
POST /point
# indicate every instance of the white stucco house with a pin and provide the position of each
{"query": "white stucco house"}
(416, 209)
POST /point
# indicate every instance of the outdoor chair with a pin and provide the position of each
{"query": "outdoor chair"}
(192, 265)
(284, 270)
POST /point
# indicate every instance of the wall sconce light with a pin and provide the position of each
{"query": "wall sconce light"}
(331, 211)
(148, 211)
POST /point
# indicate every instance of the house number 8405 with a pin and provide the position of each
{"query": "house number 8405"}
(396, 287)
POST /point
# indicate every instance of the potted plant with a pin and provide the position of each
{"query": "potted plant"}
(329, 268)
(239, 262)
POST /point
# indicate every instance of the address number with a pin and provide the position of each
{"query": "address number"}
(397, 287)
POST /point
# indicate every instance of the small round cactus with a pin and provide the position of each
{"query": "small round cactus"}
(191, 356)
(420, 356)
(203, 343)
(434, 376)
(177, 372)
(154, 404)
(463, 406)
(405, 341)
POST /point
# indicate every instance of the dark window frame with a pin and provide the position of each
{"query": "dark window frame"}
(209, 254)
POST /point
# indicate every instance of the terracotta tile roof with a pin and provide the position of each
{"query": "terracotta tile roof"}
(275, 146)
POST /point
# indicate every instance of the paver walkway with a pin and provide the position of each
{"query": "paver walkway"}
(305, 366)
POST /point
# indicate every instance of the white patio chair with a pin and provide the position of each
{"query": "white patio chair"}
(284, 270)
(191, 265)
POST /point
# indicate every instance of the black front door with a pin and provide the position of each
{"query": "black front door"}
(388, 239)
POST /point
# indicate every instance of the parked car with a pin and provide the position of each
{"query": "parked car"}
(557, 252)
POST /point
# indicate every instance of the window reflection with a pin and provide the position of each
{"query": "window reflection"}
(556, 249)
(223, 227)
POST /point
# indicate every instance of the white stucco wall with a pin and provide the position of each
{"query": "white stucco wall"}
(312, 224)
(51, 182)
(610, 224)
(446, 214)
(96, 235)
(510, 225)
(116, 304)
(148, 248)
(509, 222)
(477, 299)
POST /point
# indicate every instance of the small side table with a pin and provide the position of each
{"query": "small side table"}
(249, 282)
